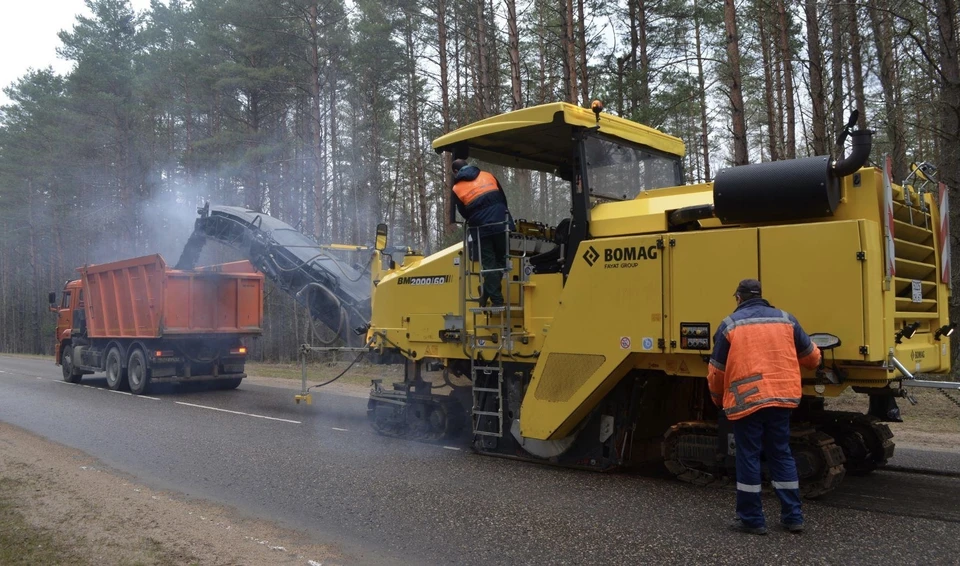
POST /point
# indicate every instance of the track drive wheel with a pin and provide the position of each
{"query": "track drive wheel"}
(820, 462)
(866, 441)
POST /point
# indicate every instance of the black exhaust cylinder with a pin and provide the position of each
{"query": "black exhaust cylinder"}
(794, 189)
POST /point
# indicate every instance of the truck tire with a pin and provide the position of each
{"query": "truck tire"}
(138, 374)
(70, 373)
(116, 373)
(228, 384)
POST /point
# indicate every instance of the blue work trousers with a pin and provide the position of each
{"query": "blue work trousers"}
(768, 431)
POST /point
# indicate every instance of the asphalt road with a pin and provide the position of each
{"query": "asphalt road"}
(320, 468)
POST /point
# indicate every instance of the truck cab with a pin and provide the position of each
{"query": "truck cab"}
(69, 312)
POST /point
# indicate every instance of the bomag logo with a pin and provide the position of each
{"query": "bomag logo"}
(591, 256)
(424, 280)
(621, 258)
(629, 254)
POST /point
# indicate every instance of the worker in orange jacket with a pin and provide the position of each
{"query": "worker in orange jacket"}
(754, 376)
(480, 199)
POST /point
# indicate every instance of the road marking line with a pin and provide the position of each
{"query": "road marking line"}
(145, 397)
(89, 386)
(3, 372)
(38, 377)
(873, 496)
(64, 383)
(340, 429)
(120, 392)
(237, 412)
(451, 448)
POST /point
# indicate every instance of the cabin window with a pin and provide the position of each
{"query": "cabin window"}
(65, 303)
(620, 172)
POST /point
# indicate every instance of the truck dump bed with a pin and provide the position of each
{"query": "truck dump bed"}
(142, 298)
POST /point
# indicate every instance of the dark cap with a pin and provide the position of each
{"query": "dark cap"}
(458, 164)
(748, 288)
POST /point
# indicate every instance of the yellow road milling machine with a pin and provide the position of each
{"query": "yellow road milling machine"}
(598, 359)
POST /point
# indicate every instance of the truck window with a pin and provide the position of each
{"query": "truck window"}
(80, 299)
(65, 304)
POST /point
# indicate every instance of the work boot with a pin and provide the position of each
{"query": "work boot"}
(793, 527)
(738, 526)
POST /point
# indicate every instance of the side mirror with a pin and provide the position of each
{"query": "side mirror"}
(381, 243)
(825, 341)
(52, 297)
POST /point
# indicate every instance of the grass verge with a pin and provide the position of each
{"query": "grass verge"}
(23, 543)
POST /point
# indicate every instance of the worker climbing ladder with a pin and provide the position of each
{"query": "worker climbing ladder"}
(493, 333)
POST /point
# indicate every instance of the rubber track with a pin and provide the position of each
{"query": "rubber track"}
(829, 456)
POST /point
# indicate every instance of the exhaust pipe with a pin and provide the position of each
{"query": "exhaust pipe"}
(862, 143)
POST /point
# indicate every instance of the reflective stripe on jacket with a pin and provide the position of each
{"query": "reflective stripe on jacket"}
(757, 354)
(469, 191)
(480, 200)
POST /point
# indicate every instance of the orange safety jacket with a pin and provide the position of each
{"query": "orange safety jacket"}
(758, 351)
(469, 191)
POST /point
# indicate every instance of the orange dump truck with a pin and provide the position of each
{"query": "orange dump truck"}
(141, 322)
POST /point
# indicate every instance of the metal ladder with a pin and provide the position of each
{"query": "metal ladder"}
(492, 332)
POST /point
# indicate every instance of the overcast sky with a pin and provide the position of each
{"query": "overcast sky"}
(28, 35)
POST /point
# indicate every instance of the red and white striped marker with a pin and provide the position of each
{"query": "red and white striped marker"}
(888, 217)
(945, 269)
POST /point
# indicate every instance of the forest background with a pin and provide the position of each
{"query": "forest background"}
(321, 113)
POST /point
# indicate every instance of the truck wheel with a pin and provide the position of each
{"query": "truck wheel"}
(70, 374)
(228, 384)
(138, 375)
(116, 373)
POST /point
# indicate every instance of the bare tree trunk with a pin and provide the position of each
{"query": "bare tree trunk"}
(314, 61)
(582, 43)
(513, 39)
(788, 91)
(448, 227)
(484, 80)
(856, 64)
(882, 23)
(704, 128)
(418, 175)
(635, 83)
(817, 93)
(644, 55)
(950, 140)
(836, 68)
(768, 89)
(571, 58)
(735, 84)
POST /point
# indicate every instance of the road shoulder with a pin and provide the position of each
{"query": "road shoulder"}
(61, 495)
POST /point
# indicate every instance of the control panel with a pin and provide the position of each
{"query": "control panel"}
(695, 336)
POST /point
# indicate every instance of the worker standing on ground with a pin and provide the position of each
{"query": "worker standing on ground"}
(481, 201)
(754, 376)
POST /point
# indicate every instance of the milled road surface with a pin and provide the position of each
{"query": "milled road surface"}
(320, 468)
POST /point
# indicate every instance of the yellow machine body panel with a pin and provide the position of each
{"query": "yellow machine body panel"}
(828, 274)
(586, 354)
(647, 213)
